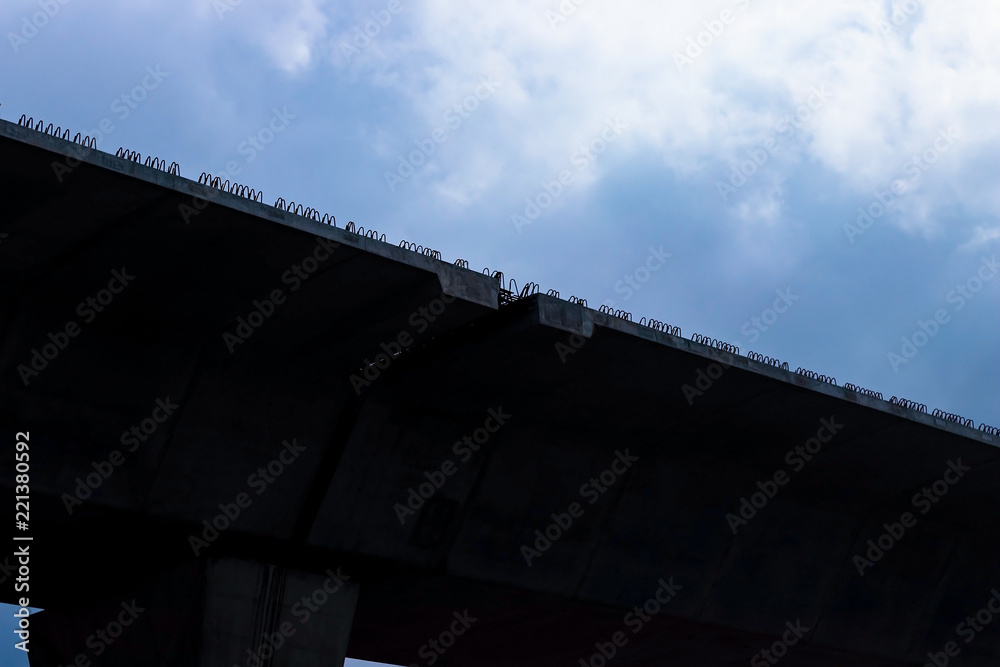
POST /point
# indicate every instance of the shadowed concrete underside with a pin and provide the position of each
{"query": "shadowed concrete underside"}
(554, 392)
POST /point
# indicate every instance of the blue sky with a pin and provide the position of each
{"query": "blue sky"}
(844, 155)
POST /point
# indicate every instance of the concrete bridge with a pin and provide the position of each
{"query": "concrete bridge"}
(260, 439)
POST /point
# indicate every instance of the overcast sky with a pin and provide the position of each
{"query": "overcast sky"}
(837, 160)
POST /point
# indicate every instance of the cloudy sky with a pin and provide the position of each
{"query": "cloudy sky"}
(837, 161)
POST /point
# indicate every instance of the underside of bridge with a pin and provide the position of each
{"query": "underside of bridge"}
(260, 439)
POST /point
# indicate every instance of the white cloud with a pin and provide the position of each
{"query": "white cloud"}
(893, 90)
(287, 31)
(982, 236)
(291, 40)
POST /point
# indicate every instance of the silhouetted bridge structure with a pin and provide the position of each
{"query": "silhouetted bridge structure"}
(223, 465)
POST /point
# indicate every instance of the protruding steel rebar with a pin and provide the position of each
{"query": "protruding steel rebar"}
(861, 390)
(718, 344)
(908, 404)
(230, 186)
(770, 361)
(957, 419)
(427, 252)
(58, 132)
(816, 376)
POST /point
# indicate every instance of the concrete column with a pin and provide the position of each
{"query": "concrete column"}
(259, 615)
(215, 612)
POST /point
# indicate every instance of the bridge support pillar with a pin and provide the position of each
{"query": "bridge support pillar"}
(215, 612)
